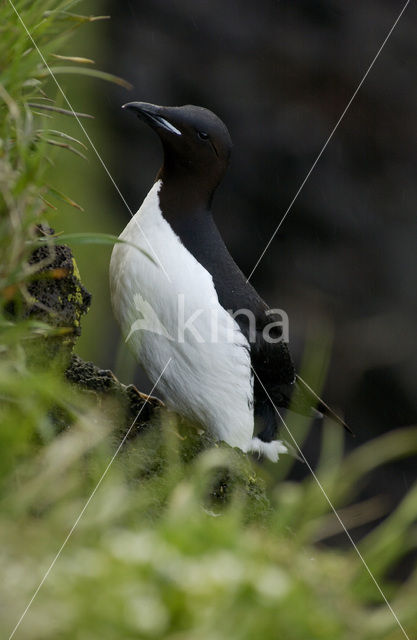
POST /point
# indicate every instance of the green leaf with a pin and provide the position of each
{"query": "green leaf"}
(95, 73)
(76, 17)
(65, 112)
(63, 145)
(61, 134)
(74, 59)
(63, 197)
(94, 238)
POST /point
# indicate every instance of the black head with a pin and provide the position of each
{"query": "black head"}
(195, 141)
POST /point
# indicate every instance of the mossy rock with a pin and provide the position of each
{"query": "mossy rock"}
(56, 297)
(160, 443)
(124, 403)
(170, 446)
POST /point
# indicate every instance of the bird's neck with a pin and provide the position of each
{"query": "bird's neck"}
(183, 191)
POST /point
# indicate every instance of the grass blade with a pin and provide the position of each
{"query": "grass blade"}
(63, 197)
(61, 134)
(95, 238)
(94, 73)
(65, 112)
(74, 59)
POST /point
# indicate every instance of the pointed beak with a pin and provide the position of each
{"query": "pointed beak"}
(153, 115)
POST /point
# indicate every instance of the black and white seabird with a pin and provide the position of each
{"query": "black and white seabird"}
(198, 285)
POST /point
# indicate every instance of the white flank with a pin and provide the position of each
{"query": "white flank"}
(208, 380)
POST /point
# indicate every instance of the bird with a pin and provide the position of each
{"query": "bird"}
(185, 307)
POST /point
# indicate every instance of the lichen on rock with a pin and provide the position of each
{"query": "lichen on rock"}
(57, 295)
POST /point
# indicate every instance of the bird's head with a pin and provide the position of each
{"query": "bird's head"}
(195, 141)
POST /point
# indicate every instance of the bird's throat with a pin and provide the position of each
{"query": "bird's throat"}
(179, 200)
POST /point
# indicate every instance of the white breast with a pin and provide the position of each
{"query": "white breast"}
(209, 377)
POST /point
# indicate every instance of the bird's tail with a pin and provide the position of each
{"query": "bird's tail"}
(304, 396)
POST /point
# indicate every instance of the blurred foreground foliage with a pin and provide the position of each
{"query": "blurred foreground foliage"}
(159, 552)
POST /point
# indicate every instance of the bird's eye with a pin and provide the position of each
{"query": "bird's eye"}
(202, 135)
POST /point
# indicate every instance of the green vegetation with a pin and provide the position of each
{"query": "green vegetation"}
(172, 545)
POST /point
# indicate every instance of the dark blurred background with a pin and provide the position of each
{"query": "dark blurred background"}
(280, 73)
